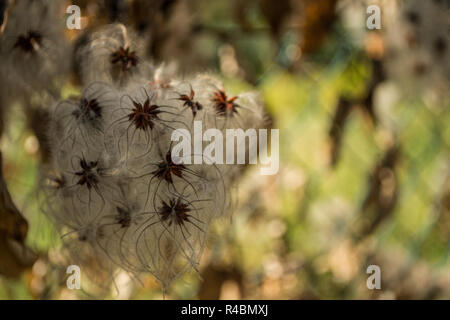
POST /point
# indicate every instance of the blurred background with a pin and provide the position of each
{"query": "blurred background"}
(364, 173)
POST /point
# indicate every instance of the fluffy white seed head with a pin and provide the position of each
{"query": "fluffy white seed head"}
(115, 190)
(33, 49)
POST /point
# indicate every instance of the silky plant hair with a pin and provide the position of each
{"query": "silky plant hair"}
(34, 52)
(35, 60)
(112, 54)
(119, 200)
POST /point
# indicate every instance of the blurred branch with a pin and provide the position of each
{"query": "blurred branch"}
(382, 194)
(15, 257)
(3, 7)
(346, 106)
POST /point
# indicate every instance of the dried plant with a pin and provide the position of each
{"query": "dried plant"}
(119, 198)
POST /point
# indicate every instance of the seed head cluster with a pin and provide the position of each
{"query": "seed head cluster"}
(115, 192)
(112, 188)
